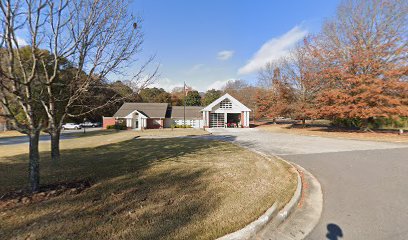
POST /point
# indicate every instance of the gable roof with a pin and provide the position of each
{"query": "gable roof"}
(231, 98)
(151, 110)
(192, 112)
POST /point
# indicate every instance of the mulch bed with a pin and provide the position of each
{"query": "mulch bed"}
(25, 196)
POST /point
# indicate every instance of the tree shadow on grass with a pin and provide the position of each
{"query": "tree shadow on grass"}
(138, 193)
(99, 163)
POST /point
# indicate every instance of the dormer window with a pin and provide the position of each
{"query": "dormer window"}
(225, 104)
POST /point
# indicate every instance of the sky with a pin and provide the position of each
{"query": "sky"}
(209, 42)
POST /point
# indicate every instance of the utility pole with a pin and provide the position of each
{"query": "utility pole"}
(185, 95)
(84, 125)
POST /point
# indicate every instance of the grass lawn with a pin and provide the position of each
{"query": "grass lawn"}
(10, 133)
(336, 133)
(166, 132)
(99, 138)
(174, 188)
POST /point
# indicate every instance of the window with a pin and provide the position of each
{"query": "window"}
(226, 103)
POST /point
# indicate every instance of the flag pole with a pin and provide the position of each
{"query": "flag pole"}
(184, 89)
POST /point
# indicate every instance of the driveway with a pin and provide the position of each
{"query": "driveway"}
(66, 134)
(364, 183)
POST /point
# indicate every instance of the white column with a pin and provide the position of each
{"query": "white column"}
(139, 122)
(207, 121)
(247, 119)
(204, 117)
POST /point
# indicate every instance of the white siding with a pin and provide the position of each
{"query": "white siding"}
(194, 123)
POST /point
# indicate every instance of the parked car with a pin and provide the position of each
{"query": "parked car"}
(71, 126)
(89, 124)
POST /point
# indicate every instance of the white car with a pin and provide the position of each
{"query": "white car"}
(89, 124)
(71, 126)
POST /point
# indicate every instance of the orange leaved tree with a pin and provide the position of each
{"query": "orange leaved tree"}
(363, 60)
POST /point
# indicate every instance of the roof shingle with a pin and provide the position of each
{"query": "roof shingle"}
(192, 112)
(151, 110)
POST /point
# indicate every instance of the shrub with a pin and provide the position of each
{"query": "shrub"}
(389, 123)
(117, 127)
(347, 122)
(372, 123)
(180, 126)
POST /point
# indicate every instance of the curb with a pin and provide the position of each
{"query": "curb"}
(270, 216)
(290, 206)
(318, 203)
(306, 216)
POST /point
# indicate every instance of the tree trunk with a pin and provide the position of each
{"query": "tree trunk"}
(34, 164)
(366, 127)
(55, 145)
(303, 122)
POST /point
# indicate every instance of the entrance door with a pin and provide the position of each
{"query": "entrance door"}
(217, 120)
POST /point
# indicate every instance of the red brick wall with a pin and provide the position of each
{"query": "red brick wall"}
(208, 120)
(242, 119)
(154, 123)
(108, 121)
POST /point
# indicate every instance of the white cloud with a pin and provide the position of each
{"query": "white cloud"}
(225, 55)
(274, 49)
(195, 68)
(219, 85)
(166, 83)
(21, 42)
(169, 84)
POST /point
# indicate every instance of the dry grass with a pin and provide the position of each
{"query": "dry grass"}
(176, 132)
(174, 188)
(90, 140)
(99, 138)
(11, 133)
(327, 132)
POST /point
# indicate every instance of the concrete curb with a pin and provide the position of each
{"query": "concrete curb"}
(254, 227)
(290, 206)
(317, 202)
(305, 216)
(271, 215)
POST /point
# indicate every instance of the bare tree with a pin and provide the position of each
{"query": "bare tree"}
(73, 46)
(19, 92)
(300, 70)
(292, 83)
(267, 76)
(99, 38)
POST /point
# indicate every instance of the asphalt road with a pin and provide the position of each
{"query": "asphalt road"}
(66, 134)
(364, 183)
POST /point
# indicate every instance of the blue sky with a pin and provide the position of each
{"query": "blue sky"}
(207, 43)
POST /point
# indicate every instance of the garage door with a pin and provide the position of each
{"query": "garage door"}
(216, 120)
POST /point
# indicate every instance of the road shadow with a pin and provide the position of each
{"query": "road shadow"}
(334, 232)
